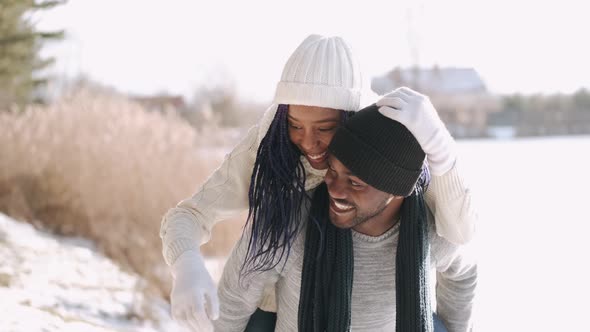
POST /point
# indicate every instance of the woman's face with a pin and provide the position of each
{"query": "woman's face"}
(311, 128)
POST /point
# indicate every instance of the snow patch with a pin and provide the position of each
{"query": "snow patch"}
(53, 283)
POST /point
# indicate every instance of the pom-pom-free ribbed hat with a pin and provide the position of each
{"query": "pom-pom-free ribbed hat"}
(321, 72)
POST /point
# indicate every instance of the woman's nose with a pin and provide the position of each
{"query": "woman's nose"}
(309, 141)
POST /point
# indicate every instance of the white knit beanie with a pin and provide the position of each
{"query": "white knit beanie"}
(321, 72)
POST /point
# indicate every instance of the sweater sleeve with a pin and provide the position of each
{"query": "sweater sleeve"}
(456, 282)
(449, 198)
(223, 195)
(240, 295)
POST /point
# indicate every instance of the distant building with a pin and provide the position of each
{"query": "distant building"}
(459, 95)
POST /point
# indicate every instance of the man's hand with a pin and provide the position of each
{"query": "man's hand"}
(194, 298)
(416, 112)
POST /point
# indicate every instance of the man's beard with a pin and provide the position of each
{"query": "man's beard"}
(364, 217)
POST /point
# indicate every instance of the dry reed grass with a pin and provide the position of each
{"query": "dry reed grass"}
(97, 165)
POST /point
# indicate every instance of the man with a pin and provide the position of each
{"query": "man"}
(362, 258)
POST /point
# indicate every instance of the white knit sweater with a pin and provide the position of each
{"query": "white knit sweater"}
(373, 304)
(225, 194)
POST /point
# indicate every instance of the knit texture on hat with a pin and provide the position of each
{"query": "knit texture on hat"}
(393, 167)
(321, 72)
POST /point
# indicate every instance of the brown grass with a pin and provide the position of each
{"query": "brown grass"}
(97, 165)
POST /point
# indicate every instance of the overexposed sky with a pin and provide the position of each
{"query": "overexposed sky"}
(178, 45)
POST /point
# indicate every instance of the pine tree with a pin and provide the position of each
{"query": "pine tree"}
(20, 42)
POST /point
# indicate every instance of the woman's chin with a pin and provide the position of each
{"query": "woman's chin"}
(319, 165)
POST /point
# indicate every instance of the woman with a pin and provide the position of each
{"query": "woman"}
(284, 156)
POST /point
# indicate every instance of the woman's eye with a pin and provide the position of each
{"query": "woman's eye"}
(294, 126)
(355, 184)
(327, 129)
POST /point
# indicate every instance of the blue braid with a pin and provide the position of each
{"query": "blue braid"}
(277, 190)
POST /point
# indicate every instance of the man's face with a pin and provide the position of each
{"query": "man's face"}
(352, 201)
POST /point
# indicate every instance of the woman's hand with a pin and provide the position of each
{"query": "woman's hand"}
(193, 298)
(416, 112)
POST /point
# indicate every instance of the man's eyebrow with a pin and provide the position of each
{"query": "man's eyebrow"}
(349, 173)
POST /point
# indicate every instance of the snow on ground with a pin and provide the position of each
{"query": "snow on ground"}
(52, 283)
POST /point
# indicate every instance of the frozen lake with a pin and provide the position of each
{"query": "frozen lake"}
(533, 238)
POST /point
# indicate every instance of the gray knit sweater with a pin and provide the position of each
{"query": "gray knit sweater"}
(454, 276)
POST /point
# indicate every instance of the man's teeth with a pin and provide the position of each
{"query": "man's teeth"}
(317, 156)
(343, 206)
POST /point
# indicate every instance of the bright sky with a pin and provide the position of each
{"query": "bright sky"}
(177, 45)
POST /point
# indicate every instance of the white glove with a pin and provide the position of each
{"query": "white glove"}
(416, 112)
(194, 295)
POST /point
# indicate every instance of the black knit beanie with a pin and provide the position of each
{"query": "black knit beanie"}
(380, 151)
(384, 154)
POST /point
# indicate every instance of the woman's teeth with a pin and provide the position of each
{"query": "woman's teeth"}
(317, 156)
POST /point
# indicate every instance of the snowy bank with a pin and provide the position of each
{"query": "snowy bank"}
(53, 283)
